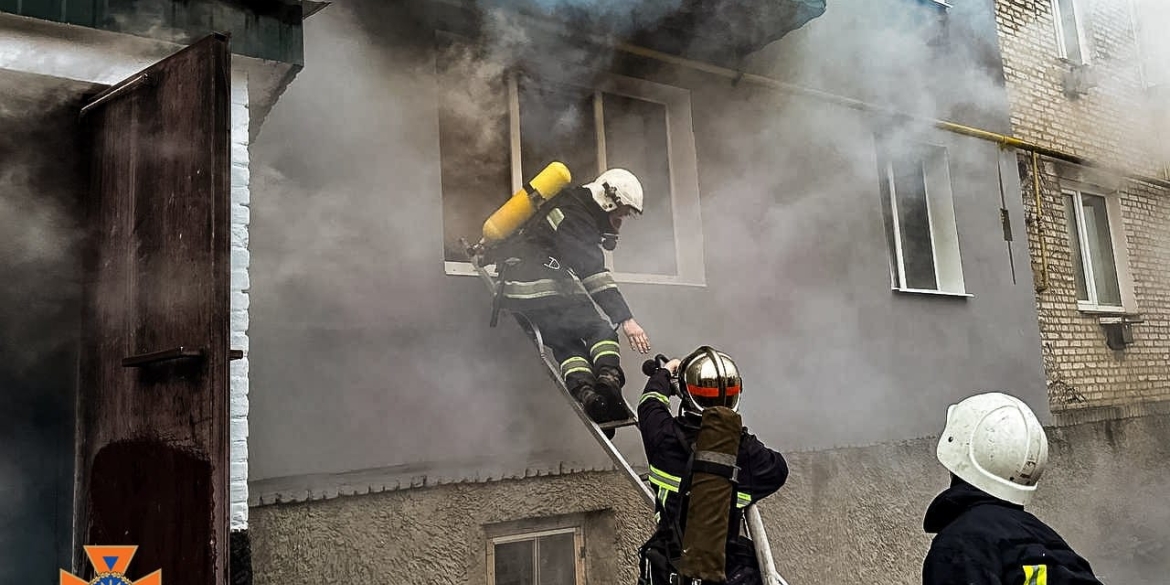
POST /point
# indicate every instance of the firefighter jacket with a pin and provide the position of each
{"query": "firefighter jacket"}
(668, 440)
(561, 245)
(982, 540)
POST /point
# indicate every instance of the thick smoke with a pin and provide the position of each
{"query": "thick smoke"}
(337, 171)
(353, 316)
(39, 314)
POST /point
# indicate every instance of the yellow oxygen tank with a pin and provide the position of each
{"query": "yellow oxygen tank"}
(511, 215)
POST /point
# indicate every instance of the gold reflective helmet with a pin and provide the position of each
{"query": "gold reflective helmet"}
(708, 377)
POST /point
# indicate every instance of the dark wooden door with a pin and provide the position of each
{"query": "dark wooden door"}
(153, 371)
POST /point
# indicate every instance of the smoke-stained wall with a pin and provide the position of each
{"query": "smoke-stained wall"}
(367, 354)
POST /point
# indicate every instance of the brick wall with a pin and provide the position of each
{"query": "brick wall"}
(239, 300)
(1110, 123)
(1081, 369)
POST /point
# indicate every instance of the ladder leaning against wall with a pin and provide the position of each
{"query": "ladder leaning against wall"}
(754, 524)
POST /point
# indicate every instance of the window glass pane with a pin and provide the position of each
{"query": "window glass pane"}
(914, 222)
(888, 214)
(635, 139)
(514, 564)
(557, 560)
(557, 123)
(1101, 250)
(1069, 28)
(1074, 243)
(473, 145)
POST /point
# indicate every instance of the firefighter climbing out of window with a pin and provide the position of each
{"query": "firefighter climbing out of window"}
(996, 451)
(685, 462)
(553, 270)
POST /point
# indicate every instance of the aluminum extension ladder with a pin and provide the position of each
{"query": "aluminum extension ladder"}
(755, 524)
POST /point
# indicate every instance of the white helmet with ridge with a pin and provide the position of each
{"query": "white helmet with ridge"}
(616, 187)
(995, 442)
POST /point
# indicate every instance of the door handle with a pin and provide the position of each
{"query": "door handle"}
(166, 355)
(176, 353)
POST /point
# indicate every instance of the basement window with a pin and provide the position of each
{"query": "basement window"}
(550, 557)
(1090, 228)
(499, 129)
(1070, 31)
(918, 206)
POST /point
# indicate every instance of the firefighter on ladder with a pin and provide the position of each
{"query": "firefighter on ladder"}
(707, 378)
(563, 245)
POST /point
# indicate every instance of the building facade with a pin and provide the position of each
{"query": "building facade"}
(814, 208)
(1084, 78)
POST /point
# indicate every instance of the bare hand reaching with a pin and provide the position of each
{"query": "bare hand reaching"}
(636, 336)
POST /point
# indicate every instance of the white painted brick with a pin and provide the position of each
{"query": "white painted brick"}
(241, 215)
(239, 492)
(239, 405)
(239, 472)
(239, 320)
(240, 259)
(240, 301)
(241, 195)
(240, 340)
(239, 237)
(239, 368)
(239, 151)
(239, 428)
(239, 86)
(241, 280)
(240, 175)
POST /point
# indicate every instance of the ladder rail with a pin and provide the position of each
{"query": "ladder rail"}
(755, 523)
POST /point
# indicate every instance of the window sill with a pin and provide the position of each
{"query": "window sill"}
(465, 269)
(1100, 311)
(937, 293)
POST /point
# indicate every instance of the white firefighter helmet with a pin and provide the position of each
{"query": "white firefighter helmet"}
(616, 187)
(706, 378)
(995, 442)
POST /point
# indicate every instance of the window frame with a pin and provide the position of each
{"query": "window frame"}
(534, 535)
(1081, 33)
(682, 158)
(1117, 246)
(941, 219)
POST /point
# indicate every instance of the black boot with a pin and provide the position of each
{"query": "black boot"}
(609, 384)
(593, 403)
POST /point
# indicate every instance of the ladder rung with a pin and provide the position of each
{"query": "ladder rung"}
(617, 424)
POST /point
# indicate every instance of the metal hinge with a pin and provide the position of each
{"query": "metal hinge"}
(1005, 219)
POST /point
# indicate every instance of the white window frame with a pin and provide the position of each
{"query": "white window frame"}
(1120, 254)
(690, 268)
(1150, 54)
(1058, 26)
(944, 235)
(578, 546)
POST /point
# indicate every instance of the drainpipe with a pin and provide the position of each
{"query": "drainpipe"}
(1043, 284)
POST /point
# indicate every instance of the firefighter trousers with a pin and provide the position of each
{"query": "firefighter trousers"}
(583, 343)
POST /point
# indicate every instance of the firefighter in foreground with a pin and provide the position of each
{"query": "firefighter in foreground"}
(996, 452)
(562, 245)
(706, 467)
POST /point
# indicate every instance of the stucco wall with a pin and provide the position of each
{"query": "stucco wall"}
(846, 516)
(367, 355)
